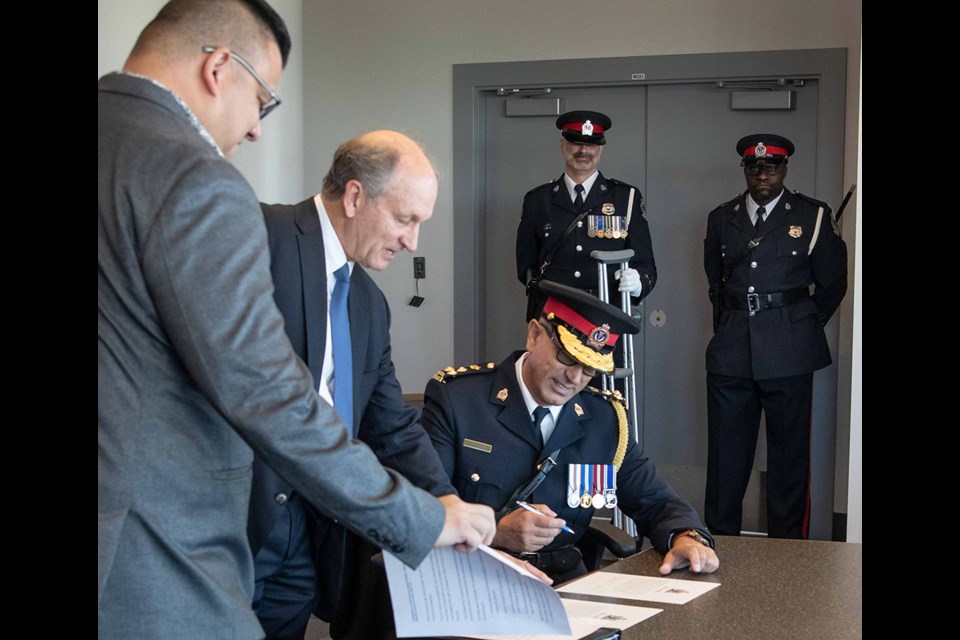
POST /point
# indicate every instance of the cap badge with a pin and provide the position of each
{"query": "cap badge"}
(760, 150)
(502, 394)
(599, 336)
(587, 128)
(795, 231)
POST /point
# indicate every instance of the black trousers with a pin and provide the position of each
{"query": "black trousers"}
(733, 417)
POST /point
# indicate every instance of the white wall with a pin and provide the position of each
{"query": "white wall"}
(375, 63)
(274, 165)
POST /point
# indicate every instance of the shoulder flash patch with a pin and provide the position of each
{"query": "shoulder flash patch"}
(448, 373)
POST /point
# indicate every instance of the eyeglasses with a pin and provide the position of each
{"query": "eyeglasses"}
(756, 168)
(274, 101)
(565, 358)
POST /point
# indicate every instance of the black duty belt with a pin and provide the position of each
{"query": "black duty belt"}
(552, 563)
(754, 302)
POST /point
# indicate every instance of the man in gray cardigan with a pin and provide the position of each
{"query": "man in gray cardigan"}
(194, 369)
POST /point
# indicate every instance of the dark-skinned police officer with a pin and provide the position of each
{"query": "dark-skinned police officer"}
(763, 251)
(582, 211)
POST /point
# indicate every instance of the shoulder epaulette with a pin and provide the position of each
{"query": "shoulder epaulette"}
(728, 202)
(552, 183)
(449, 373)
(813, 201)
(615, 398)
(622, 183)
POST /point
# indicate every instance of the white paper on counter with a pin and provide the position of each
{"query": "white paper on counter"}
(587, 617)
(629, 587)
(468, 594)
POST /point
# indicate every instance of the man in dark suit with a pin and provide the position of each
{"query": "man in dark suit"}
(494, 426)
(763, 251)
(194, 369)
(582, 211)
(378, 191)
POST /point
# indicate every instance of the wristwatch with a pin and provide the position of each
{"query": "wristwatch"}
(693, 533)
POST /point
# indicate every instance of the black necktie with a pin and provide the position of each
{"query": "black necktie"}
(538, 415)
(758, 225)
(578, 203)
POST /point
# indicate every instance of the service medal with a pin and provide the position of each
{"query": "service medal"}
(597, 501)
(586, 501)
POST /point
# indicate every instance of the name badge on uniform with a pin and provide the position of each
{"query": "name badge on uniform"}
(591, 486)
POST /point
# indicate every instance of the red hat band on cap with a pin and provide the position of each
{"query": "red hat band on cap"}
(762, 151)
(573, 318)
(577, 127)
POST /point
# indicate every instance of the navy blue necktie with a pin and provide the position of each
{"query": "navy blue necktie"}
(342, 351)
(538, 415)
(578, 203)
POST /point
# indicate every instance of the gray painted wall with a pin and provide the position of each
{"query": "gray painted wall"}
(371, 64)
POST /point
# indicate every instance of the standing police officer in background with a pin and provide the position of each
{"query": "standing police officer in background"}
(583, 211)
(762, 252)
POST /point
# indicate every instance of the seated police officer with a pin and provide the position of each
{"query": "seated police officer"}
(528, 431)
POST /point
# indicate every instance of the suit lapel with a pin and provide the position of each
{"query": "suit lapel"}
(778, 217)
(741, 222)
(505, 393)
(561, 197)
(569, 427)
(598, 195)
(313, 273)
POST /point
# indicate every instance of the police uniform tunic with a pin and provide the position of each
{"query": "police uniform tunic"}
(610, 225)
(765, 350)
(480, 426)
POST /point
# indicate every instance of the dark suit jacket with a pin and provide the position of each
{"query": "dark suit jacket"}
(784, 341)
(194, 375)
(548, 211)
(472, 406)
(385, 423)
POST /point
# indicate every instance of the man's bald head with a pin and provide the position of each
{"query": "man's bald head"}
(183, 26)
(371, 160)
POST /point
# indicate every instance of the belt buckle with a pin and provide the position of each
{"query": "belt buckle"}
(753, 303)
(533, 557)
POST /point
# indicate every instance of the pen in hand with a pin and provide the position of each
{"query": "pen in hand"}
(526, 507)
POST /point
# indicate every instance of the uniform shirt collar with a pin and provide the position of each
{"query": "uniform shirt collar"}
(753, 206)
(587, 184)
(333, 252)
(528, 400)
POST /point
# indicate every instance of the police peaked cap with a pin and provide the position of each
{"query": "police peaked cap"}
(586, 328)
(584, 127)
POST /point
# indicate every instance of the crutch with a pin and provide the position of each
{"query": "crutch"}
(626, 371)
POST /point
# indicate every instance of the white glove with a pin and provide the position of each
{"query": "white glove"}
(629, 281)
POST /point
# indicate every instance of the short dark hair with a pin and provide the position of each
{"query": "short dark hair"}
(269, 18)
(183, 26)
(372, 165)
